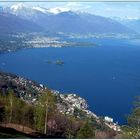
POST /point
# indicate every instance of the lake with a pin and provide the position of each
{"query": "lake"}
(107, 76)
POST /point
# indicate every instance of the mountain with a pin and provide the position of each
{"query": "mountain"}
(12, 23)
(132, 23)
(21, 9)
(71, 22)
(135, 25)
(29, 13)
(57, 10)
(64, 20)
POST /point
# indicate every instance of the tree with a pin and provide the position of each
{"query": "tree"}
(2, 105)
(27, 115)
(16, 110)
(11, 100)
(134, 118)
(72, 126)
(86, 131)
(133, 128)
(128, 132)
(46, 106)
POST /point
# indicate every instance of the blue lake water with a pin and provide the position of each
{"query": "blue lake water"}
(107, 76)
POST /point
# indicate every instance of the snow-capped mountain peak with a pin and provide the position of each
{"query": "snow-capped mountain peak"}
(17, 6)
(58, 10)
(21, 7)
(43, 10)
(23, 11)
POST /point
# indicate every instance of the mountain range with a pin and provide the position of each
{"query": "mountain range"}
(21, 17)
(12, 23)
(132, 23)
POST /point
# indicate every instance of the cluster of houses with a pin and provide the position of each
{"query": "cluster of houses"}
(43, 41)
(28, 83)
(98, 35)
(66, 103)
(69, 102)
(109, 122)
(30, 90)
(74, 100)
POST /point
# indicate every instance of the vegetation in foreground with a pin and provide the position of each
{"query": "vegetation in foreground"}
(22, 118)
(43, 120)
(132, 129)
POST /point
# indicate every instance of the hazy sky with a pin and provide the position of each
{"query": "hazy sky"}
(114, 9)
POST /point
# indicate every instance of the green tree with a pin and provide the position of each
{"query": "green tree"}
(45, 107)
(128, 132)
(28, 115)
(72, 126)
(133, 128)
(2, 105)
(14, 109)
(134, 118)
(86, 131)
(9, 108)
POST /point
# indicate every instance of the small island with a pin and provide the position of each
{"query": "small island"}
(57, 62)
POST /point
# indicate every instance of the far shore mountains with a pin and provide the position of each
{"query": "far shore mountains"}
(23, 18)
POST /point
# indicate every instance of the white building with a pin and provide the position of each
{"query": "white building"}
(108, 119)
